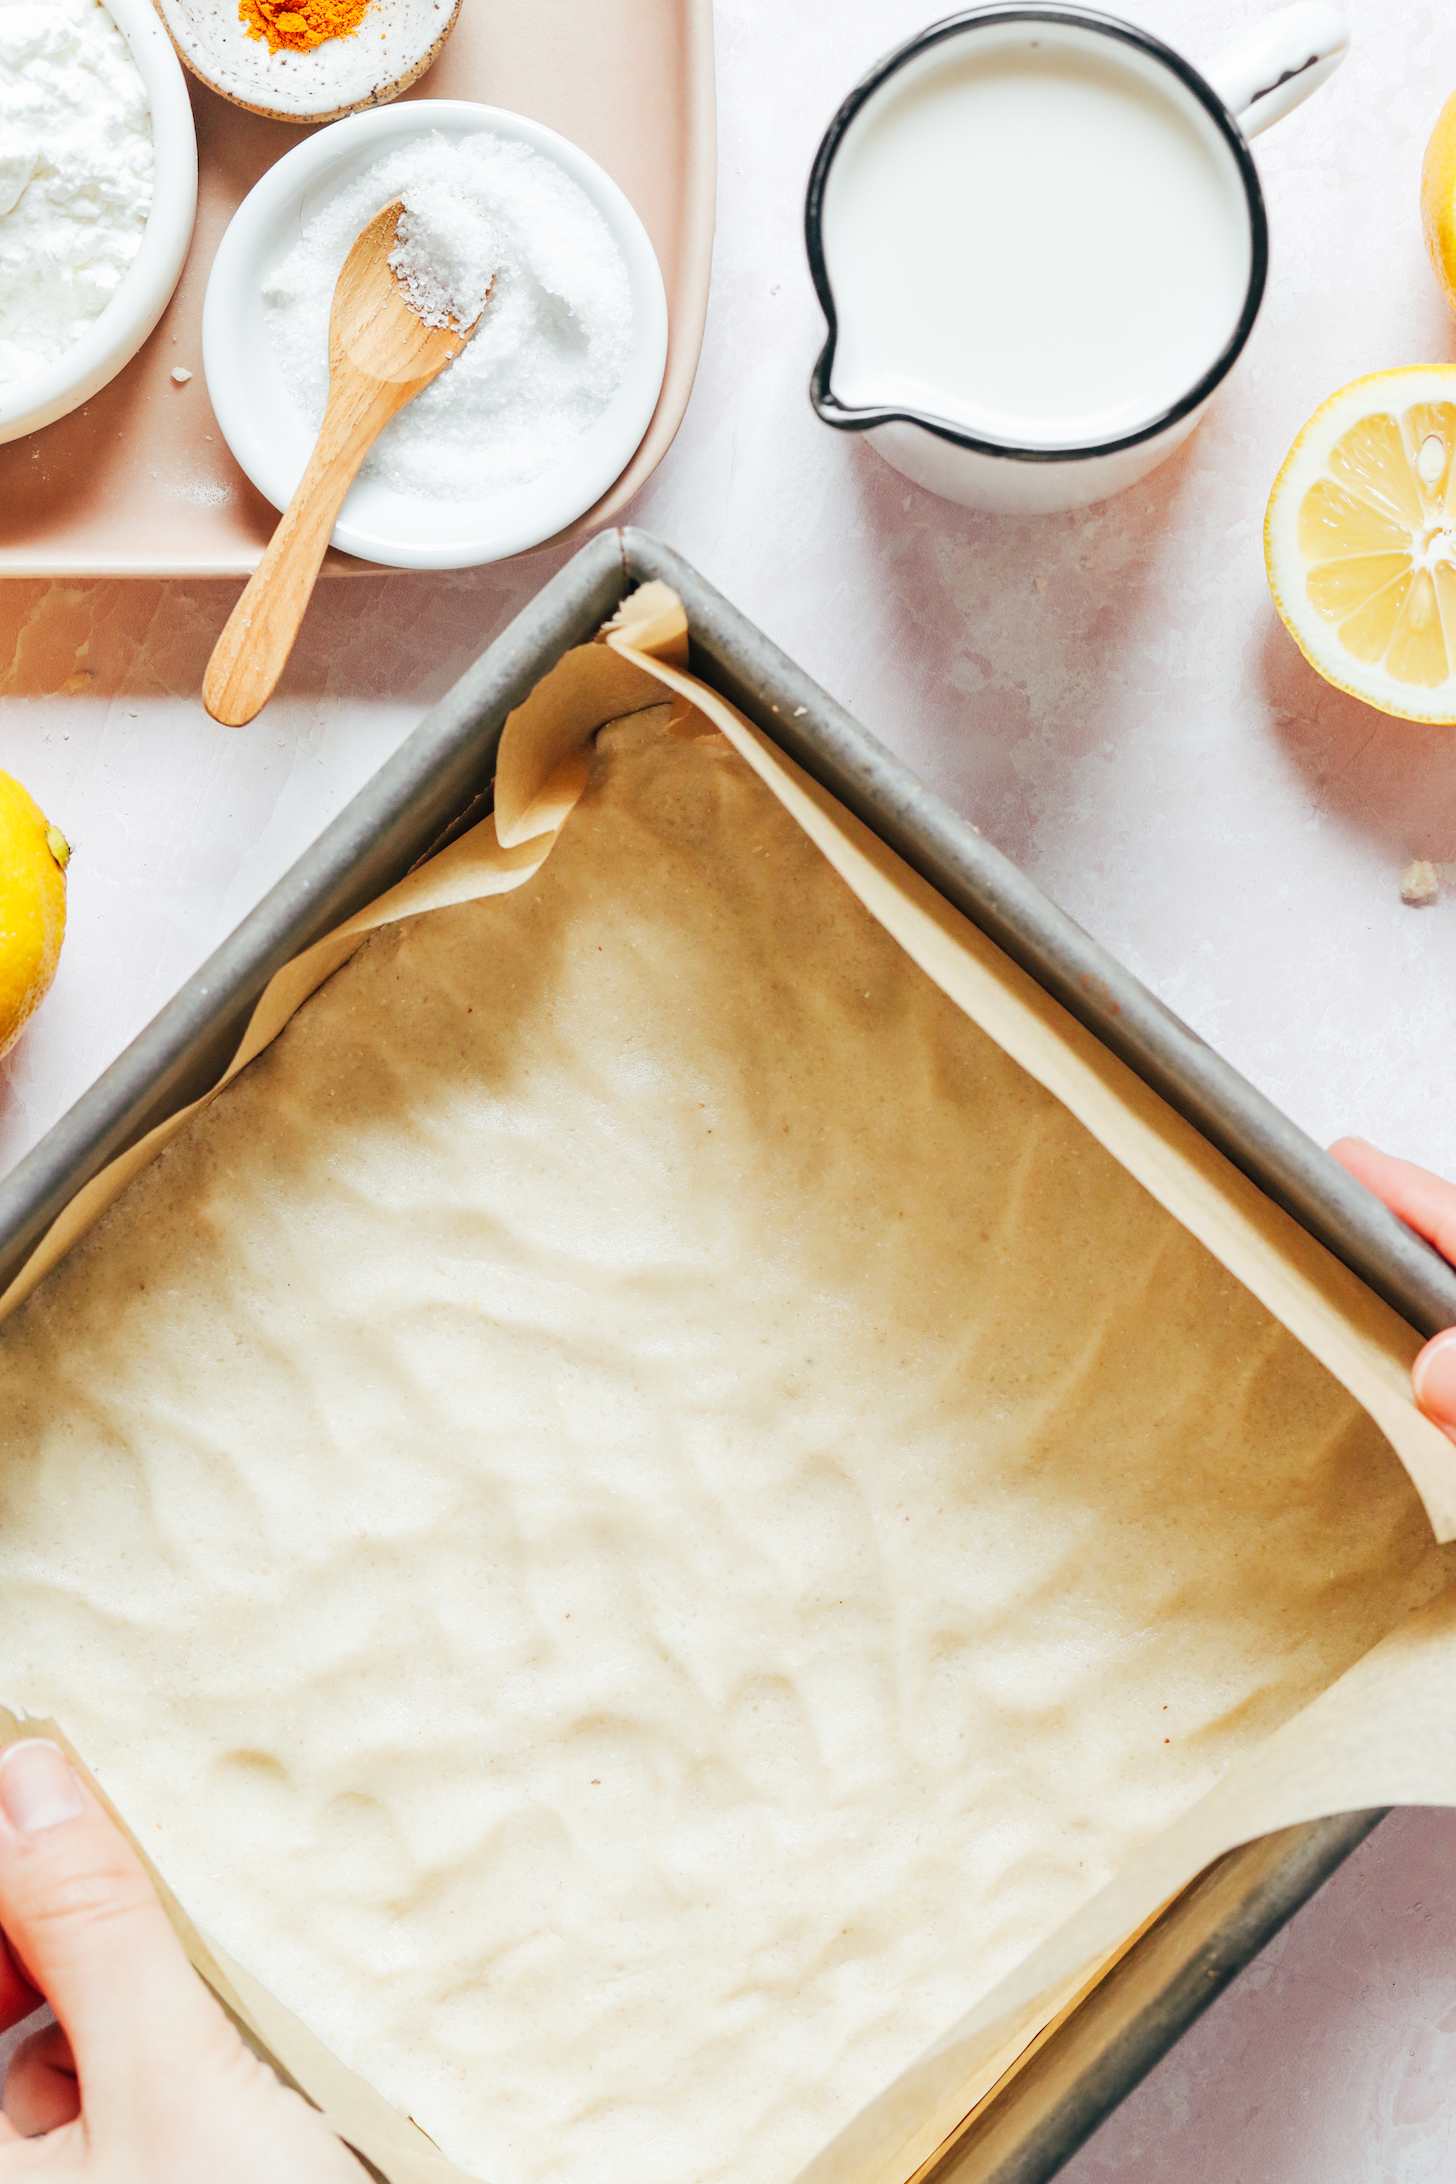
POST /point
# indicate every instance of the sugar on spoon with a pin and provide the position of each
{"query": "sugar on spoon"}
(381, 355)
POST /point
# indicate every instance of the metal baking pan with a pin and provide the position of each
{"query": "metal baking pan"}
(1048, 2106)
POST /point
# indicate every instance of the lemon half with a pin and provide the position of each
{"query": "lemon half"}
(33, 860)
(1360, 541)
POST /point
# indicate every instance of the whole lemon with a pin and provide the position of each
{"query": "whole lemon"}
(1438, 199)
(33, 860)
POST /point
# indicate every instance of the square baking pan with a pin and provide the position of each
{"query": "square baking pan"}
(1054, 2096)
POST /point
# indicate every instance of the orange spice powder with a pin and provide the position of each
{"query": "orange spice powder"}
(300, 25)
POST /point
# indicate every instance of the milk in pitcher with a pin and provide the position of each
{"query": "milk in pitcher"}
(1036, 235)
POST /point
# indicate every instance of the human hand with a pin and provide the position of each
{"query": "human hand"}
(143, 2079)
(1426, 1203)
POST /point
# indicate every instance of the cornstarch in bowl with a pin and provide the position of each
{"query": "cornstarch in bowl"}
(76, 172)
(481, 214)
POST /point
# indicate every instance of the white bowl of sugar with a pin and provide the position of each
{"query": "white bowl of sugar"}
(98, 194)
(546, 405)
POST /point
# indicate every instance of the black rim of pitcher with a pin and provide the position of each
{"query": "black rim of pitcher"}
(846, 419)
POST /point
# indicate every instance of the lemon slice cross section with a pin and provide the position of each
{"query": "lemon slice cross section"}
(1360, 541)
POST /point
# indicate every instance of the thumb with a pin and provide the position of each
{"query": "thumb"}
(82, 1916)
(1433, 1379)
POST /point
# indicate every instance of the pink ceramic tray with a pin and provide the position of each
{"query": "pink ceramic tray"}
(139, 482)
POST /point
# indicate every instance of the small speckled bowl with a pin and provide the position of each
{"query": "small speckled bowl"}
(393, 46)
(113, 338)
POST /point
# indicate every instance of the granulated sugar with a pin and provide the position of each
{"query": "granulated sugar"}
(447, 252)
(550, 351)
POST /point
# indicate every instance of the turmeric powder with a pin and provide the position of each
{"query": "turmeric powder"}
(300, 25)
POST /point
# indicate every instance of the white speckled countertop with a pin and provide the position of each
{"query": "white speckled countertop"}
(1109, 695)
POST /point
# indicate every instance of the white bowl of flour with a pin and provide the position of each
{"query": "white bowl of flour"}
(544, 408)
(98, 193)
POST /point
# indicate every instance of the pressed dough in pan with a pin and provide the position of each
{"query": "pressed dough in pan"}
(634, 1513)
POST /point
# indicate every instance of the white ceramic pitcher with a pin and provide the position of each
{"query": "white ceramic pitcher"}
(877, 372)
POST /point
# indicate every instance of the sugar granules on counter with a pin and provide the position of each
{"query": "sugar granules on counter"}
(551, 350)
(75, 174)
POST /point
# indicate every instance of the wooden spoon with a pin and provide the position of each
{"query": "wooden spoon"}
(381, 354)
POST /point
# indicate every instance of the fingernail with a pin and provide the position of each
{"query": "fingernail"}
(37, 1787)
(1433, 1377)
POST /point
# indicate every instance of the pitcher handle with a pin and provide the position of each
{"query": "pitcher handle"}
(1276, 66)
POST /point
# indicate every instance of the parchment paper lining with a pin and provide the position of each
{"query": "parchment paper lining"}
(1382, 1734)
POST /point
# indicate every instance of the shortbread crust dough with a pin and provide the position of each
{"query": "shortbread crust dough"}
(635, 1513)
